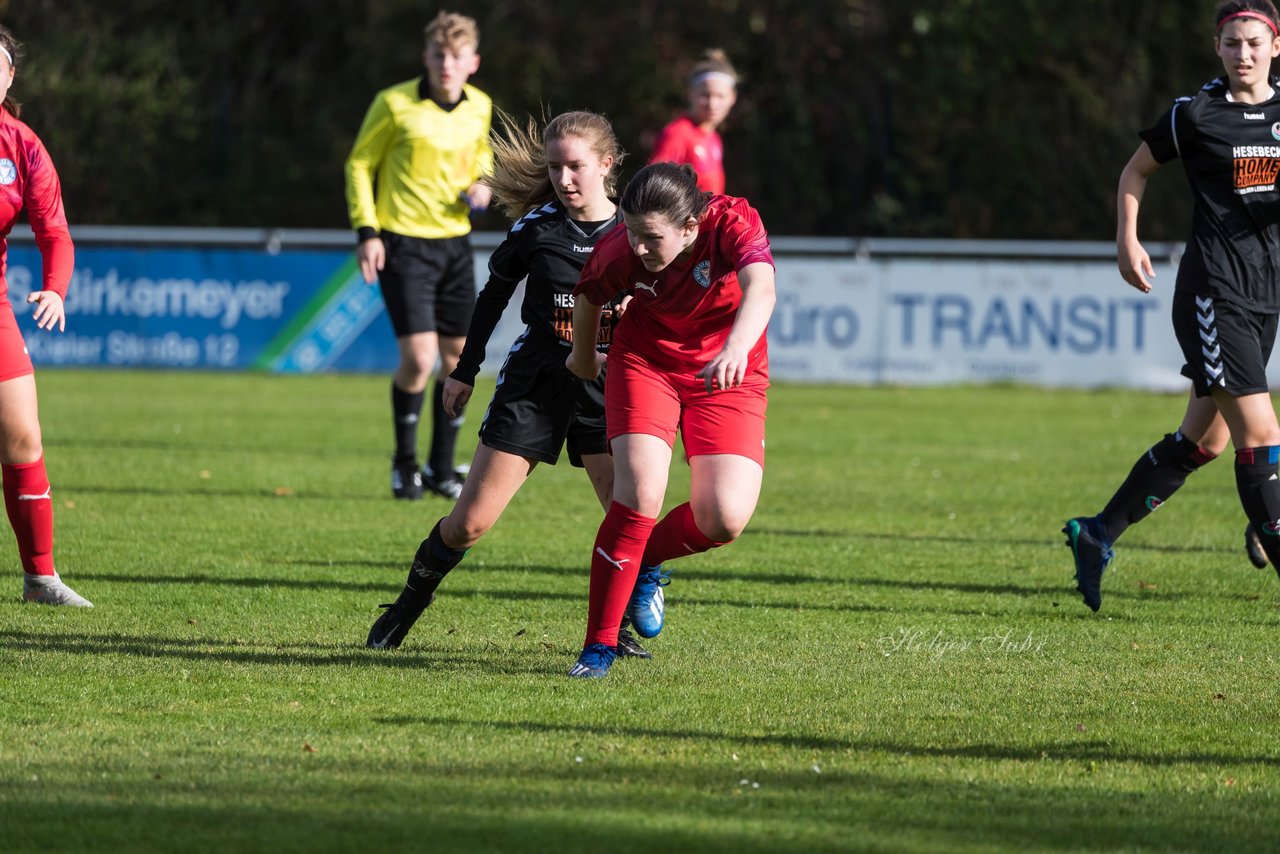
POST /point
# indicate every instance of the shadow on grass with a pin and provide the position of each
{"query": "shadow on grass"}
(1057, 751)
(391, 586)
(1051, 538)
(485, 659)
(64, 489)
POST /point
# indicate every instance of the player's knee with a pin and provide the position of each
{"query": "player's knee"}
(464, 531)
(22, 447)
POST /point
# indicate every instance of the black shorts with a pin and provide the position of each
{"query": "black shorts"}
(539, 405)
(428, 285)
(1226, 346)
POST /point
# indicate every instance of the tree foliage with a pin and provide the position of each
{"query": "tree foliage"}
(940, 118)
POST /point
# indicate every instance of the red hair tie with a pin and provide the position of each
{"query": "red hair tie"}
(1249, 13)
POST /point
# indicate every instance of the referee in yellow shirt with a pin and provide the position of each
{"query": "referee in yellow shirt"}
(412, 180)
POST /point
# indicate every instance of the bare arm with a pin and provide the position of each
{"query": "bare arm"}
(585, 361)
(1135, 263)
(729, 367)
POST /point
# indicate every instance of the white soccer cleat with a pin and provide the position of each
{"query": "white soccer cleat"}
(49, 590)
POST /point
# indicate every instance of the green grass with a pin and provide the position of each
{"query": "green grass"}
(835, 681)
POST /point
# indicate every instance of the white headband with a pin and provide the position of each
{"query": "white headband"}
(714, 75)
(7, 55)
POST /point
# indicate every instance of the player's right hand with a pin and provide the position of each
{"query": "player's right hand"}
(588, 366)
(371, 255)
(1135, 265)
(454, 396)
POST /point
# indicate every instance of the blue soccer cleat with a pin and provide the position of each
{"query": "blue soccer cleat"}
(648, 604)
(594, 663)
(1093, 553)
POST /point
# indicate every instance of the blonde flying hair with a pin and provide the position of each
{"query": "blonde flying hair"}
(520, 181)
(450, 31)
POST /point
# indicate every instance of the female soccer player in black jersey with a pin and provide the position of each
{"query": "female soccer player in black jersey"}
(558, 188)
(1227, 296)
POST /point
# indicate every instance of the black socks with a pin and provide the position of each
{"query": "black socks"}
(1155, 477)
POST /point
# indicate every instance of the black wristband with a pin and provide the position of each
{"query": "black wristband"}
(365, 232)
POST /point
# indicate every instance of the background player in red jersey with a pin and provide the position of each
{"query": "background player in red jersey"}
(557, 187)
(1226, 302)
(28, 180)
(694, 137)
(690, 354)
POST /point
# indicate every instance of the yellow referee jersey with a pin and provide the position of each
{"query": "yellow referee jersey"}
(423, 157)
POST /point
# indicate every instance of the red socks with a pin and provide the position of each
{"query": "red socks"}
(676, 536)
(615, 563)
(26, 498)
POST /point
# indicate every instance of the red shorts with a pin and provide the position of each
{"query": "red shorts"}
(639, 398)
(14, 361)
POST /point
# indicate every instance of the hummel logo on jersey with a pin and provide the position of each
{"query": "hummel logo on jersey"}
(617, 564)
(652, 289)
(587, 249)
(25, 497)
(1257, 117)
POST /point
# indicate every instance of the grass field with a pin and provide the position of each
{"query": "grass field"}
(891, 659)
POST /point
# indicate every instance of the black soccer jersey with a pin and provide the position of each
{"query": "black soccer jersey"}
(1231, 154)
(548, 249)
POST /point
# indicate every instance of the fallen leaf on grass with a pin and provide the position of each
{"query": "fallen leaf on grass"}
(451, 630)
(1230, 781)
(307, 748)
(1081, 728)
(519, 633)
(1145, 585)
(1253, 598)
(205, 474)
(283, 492)
(69, 504)
(1219, 696)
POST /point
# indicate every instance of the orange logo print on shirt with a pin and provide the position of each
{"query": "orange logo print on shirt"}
(1256, 168)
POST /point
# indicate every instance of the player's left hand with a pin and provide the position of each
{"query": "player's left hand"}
(621, 308)
(50, 310)
(454, 396)
(727, 370)
(478, 196)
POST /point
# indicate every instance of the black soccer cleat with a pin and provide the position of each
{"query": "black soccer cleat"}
(406, 480)
(449, 486)
(1253, 547)
(389, 630)
(629, 645)
(1092, 554)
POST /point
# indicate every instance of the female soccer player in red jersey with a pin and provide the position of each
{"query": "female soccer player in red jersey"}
(1226, 300)
(557, 187)
(689, 354)
(28, 180)
(694, 137)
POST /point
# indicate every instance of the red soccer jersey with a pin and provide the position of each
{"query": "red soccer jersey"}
(679, 318)
(684, 142)
(28, 180)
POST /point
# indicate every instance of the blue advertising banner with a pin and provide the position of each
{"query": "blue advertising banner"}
(295, 311)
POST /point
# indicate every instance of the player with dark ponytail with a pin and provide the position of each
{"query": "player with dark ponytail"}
(1226, 299)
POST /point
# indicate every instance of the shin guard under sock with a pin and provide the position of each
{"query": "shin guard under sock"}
(431, 564)
(615, 563)
(1258, 483)
(1155, 477)
(675, 536)
(30, 507)
(406, 410)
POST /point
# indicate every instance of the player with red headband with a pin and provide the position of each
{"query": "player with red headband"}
(28, 180)
(689, 354)
(1226, 300)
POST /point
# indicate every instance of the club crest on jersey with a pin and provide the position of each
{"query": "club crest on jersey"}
(1275, 130)
(8, 171)
(702, 273)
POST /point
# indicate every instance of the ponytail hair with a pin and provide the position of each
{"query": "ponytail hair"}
(520, 181)
(14, 49)
(669, 189)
